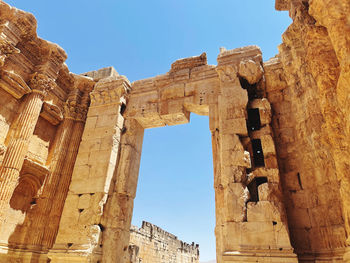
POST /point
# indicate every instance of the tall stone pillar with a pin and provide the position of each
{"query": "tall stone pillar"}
(119, 208)
(250, 215)
(57, 162)
(232, 161)
(334, 16)
(79, 234)
(61, 191)
(18, 145)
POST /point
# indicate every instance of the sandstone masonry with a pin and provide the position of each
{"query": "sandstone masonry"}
(150, 243)
(70, 145)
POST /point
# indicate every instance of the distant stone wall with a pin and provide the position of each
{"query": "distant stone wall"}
(150, 243)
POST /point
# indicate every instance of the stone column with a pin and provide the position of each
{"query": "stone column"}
(119, 208)
(80, 228)
(57, 161)
(61, 191)
(214, 129)
(334, 16)
(18, 145)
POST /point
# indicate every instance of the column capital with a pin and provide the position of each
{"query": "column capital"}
(41, 83)
(6, 49)
(76, 106)
(70, 107)
(83, 107)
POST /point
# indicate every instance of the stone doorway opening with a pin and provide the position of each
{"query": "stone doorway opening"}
(175, 191)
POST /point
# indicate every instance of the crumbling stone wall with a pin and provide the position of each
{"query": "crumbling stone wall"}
(306, 87)
(150, 243)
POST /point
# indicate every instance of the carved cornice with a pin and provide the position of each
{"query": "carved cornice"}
(37, 170)
(41, 83)
(51, 113)
(6, 49)
(13, 84)
(109, 91)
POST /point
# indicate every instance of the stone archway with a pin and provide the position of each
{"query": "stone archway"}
(250, 215)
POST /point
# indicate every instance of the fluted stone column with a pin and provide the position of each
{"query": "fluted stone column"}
(18, 145)
(61, 191)
(58, 161)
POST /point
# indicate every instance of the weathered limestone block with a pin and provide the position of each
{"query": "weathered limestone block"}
(262, 211)
(234, 202)
(274, 76)
(188, 63)
(251, 71)
(173, 112)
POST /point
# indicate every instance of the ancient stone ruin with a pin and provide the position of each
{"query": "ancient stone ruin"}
(70, 144)
(150, 243)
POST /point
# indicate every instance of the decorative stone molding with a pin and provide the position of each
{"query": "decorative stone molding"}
(70, 107)
(29, 184)
(2, 150)
(35, 169)
(41, 83)
(13, 84)
(6, 49)
(51, 113)
(226, 73)
(82, 108)
(109, 91)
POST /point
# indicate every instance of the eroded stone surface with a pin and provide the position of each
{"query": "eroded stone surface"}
(70, 146)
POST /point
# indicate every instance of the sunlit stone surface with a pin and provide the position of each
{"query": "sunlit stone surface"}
(70, 146)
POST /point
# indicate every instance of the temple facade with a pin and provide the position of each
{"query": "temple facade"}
(70, 145)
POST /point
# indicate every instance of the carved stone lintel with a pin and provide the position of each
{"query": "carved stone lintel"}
(41, 83)
(109, 91)
(13, 84)
(51, 113)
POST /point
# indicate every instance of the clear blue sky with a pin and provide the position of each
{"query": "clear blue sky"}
(141, 39)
